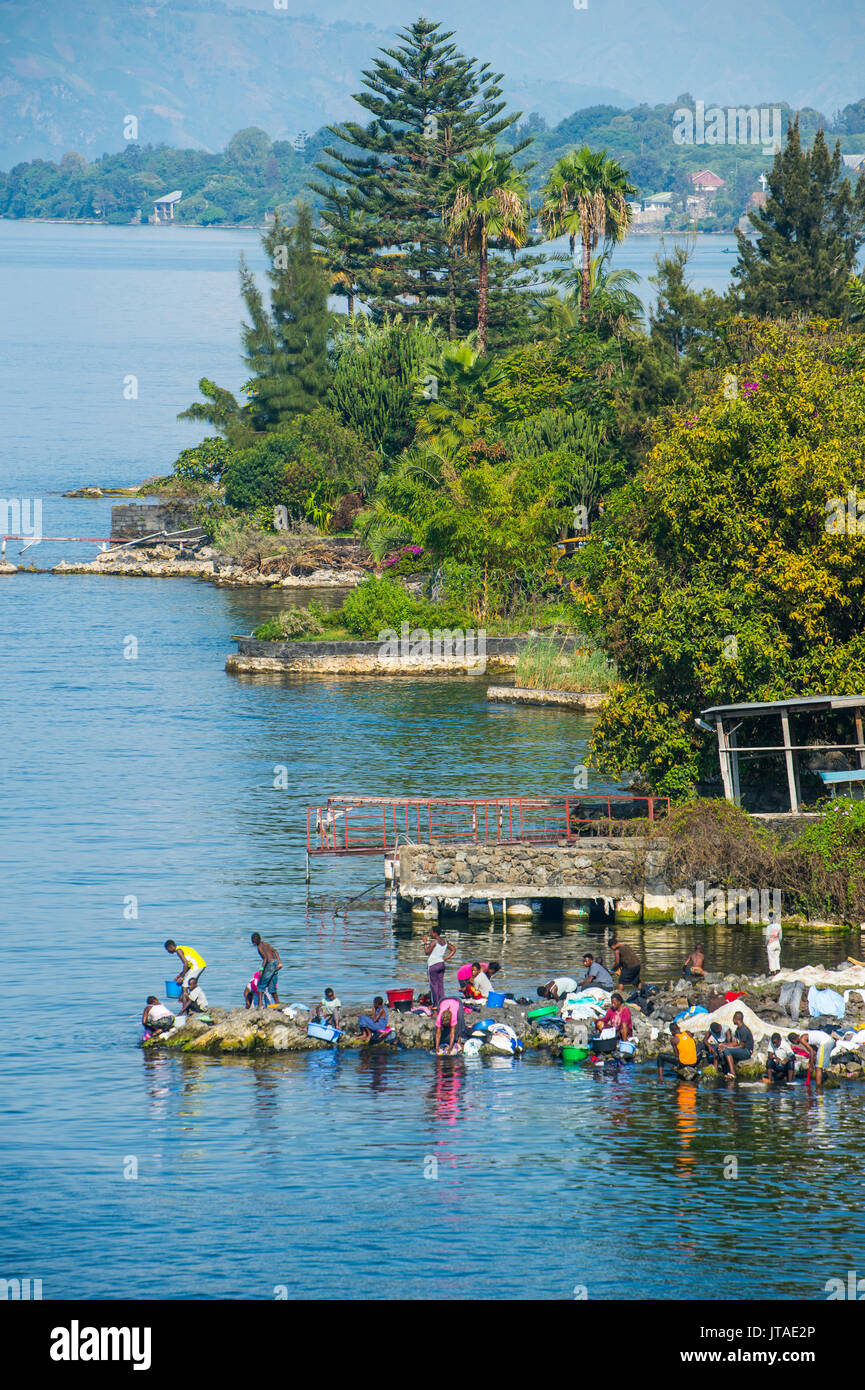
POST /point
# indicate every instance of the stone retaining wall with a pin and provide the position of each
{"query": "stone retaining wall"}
(630, 872)
(584, 700)
(132, 520)
(367, 658)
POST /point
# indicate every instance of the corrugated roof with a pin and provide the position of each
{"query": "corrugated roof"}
(756, 708)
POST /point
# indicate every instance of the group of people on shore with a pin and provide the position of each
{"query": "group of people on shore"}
(719, 1048)
(809, 1050)
(626, 964)
(261, 989)
(615, 1026)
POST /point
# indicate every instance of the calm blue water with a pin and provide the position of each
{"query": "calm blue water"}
(152, 780)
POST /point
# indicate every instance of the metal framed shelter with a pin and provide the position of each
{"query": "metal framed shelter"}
(728, 720)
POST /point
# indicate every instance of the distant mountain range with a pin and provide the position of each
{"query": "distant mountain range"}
(192, 72)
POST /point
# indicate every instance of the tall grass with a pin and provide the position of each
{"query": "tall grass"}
(548, 663)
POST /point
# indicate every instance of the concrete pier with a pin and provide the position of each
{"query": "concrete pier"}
(620, 878)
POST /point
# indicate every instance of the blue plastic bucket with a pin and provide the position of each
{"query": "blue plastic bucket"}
(172, 989)
(324, 1031)
(495, 1000)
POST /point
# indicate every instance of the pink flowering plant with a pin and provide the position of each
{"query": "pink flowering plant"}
(409, 559)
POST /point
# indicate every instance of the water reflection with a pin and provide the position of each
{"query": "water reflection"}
(373, 1063)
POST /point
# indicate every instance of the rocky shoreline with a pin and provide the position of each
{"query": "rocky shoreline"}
(318, 567)
(270, 1032)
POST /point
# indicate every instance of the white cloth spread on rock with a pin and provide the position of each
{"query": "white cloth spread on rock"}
(848, 977)
(699, 1023)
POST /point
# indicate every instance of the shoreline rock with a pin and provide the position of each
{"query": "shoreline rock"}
(166, 562)
(270, 1032)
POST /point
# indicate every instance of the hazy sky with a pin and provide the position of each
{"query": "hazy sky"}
(195, 71)
(807, 52)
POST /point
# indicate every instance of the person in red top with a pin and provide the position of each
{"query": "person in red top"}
(618, 1016)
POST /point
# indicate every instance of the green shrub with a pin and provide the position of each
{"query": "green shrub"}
(289, 624)
(308, 463)
(826, 863)
(256, 476)
(376, 371)
(204, 462)
(379, 604)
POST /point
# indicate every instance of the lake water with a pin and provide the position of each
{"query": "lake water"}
(139, 803)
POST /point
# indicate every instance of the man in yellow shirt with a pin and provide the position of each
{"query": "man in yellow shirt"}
(192, 967)
(686, 1050)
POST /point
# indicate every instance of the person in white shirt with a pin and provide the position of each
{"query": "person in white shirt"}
(772, 936)
(821, 1045)
(557, 988)
(156, 1018)
(438, 951)
(781, 1060)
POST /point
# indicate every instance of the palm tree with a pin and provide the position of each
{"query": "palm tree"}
(586, 195)
(461, 377)
(486, 202)
(612, 304)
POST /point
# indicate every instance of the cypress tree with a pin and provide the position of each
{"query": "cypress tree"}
(285, 346)
(810, 230)
(430, 105)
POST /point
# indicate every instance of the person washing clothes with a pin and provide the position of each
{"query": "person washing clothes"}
(450, 1012)
(557, 988)
(251, 993)
(618, 1016)
(438, 951)
(597, 974)
(374, 1026)
(475, 977)
(328, 1010)
(192, 968)
(781, 1060)
(156, 1017)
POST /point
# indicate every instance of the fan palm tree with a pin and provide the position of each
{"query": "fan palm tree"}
(586, 195)
(486, 203)
(612, 303)
(613, 306)
(461, 376)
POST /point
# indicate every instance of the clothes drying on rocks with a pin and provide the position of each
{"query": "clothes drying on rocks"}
(826, 1003)
(847, 977)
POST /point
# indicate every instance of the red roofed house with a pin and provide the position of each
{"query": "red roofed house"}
(705, 185)
(706, 181)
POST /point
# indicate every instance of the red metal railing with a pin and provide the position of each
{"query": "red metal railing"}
(377, 825)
